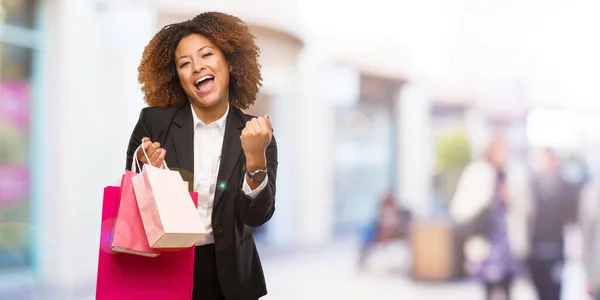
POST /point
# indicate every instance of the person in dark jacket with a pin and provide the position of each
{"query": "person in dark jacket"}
(555, 202)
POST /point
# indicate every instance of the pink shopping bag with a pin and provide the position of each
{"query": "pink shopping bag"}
(122, 276)
(169, 216)
(129, 234)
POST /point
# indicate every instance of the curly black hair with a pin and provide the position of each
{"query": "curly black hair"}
(158, 74)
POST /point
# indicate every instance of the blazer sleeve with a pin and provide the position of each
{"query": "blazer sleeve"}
(260, 209)
(140, 131)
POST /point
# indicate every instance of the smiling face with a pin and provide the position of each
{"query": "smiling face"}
(203, 72)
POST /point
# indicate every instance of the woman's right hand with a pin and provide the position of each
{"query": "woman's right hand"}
(154, 152)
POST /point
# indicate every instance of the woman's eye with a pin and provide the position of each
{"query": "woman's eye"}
(184, 64)
(206, 55)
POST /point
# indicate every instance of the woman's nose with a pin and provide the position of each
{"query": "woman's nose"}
(198, 66)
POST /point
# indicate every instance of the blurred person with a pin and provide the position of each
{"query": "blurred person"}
(555, 207)
(197, 75)
(589, 216)
(385, 228)
(490, 205)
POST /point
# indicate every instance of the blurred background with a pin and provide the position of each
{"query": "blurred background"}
(378, 107)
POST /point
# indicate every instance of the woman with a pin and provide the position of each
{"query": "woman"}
(197, 75)
(490, 206)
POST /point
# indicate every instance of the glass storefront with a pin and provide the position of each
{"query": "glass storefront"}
(362, 160)
(16, 65)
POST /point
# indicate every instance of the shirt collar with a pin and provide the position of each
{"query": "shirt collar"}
(220, 122)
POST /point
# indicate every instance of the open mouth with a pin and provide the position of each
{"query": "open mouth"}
(205, 83)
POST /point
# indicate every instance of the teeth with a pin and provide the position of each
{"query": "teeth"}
(204, 78)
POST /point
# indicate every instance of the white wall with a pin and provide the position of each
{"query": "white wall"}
(281, 14)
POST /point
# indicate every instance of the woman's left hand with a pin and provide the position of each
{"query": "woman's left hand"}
(256, 136)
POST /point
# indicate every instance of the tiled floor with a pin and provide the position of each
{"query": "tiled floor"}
(331, 274)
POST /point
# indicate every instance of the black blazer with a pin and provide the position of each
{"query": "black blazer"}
(238, 265)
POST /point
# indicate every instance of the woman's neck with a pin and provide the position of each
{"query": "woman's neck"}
(210, 114)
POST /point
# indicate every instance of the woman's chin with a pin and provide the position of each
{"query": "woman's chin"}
(205, 103)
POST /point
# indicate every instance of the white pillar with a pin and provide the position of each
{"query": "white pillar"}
(92, 103)
(280, 229)
(313, 121)
(281, 87)
(415, 163)
(129, 28)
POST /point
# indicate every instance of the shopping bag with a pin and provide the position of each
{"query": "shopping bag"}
(129, 233)
(121, 276)
(170, 219)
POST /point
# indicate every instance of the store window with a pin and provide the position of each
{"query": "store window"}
(16, 67)
(18, 12)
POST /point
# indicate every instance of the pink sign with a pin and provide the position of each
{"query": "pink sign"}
(14, 184)
(14, 103)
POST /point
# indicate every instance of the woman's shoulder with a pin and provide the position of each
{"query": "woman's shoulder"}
(157, 112)
(154, 114)
(245, 117)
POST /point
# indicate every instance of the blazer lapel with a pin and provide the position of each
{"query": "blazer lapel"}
(230, 153)
(183, 143)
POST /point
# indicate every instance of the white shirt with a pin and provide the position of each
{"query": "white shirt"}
(208, 143)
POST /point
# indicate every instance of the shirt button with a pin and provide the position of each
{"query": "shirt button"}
(219, 229)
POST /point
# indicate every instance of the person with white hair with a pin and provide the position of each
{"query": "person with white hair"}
(490, 205)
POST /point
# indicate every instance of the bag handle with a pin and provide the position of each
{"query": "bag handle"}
(135, 162)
